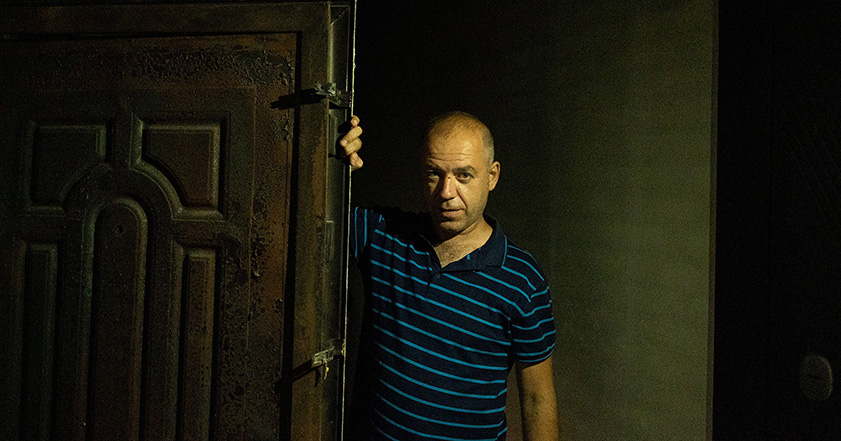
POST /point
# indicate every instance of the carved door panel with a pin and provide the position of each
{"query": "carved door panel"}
(162, 222)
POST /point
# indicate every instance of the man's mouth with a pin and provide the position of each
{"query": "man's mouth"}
(448, 212)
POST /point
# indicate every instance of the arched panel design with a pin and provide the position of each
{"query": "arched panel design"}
(61, 154)
(189, 155)
(38, 336)
(198, 291)
(118, 303)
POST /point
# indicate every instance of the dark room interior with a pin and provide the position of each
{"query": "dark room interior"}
(672, 165)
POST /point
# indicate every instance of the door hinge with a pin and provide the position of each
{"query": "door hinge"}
(321, 359)
(337, 97)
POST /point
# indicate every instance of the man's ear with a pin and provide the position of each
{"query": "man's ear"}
(494, 172)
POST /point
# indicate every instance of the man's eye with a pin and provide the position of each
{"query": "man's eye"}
(465, 176)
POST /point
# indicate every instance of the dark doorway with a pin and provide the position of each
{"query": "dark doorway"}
(778, 259)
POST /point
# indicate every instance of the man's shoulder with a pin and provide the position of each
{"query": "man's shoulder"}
(521, 264)
(393, 220)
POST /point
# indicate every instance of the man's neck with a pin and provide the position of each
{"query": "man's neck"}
(454, 248)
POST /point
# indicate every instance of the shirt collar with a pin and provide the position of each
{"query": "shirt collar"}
(492, 253)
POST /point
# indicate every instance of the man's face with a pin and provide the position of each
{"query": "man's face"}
(456, 180)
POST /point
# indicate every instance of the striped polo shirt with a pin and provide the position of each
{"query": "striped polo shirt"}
(438, 343)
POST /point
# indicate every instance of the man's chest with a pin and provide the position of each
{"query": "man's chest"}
(470, 297)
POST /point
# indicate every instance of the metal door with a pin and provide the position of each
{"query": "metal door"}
(778, 232)
(165, 221)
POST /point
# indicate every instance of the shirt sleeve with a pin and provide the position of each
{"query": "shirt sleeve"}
(533, 333)
(362, 224)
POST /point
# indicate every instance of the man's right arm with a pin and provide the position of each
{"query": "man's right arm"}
(538, 402)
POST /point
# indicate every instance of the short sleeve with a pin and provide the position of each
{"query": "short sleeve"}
(364, 223)
(359, 231)
(533, 333)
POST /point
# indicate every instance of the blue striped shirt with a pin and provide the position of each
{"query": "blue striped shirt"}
(437, 344)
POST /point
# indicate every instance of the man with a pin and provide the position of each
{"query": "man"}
(451, 303)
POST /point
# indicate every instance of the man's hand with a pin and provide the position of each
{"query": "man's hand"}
(538, 401)
(351, 143)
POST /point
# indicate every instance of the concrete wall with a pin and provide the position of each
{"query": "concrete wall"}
(602, 116)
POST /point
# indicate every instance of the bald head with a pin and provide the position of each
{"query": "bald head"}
(450, 123)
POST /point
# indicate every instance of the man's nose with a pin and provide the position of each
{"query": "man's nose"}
(447, 188)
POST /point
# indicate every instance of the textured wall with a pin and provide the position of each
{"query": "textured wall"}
(602, 116)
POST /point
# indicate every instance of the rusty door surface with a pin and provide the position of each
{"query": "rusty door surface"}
(165, 221)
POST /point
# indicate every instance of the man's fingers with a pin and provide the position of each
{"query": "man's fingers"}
(355, 161)
(352, 135)
(351, 143)
(353, 147)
